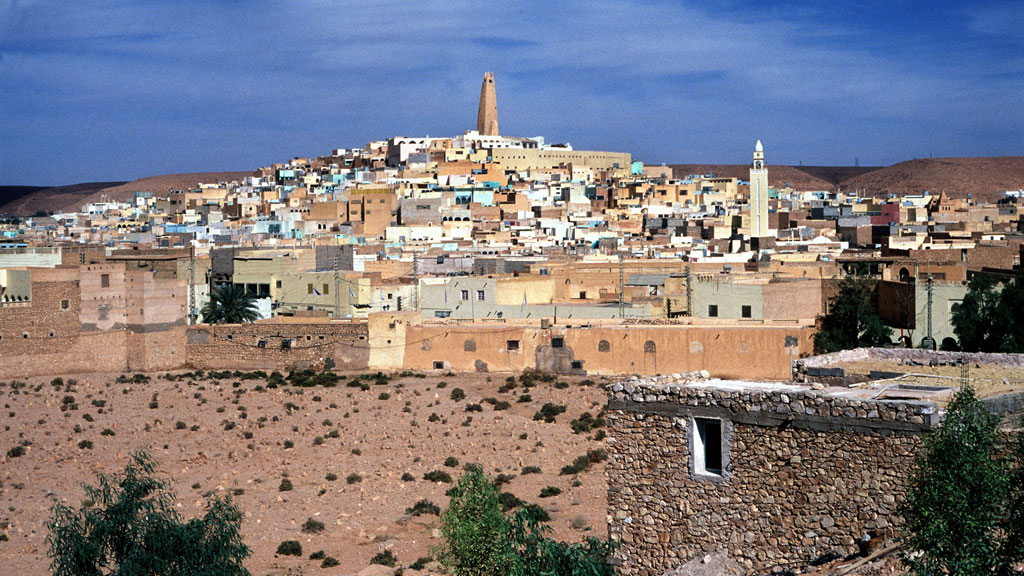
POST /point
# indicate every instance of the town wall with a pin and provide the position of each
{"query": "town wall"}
(805, 474)
(285, 346)
(762, 351)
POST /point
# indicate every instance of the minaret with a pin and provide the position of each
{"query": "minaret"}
(758, 194)
(487, 116)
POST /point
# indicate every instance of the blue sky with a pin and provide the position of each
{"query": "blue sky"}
(95, 90)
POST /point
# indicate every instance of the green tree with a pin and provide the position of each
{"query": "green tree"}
(973, 320)
(959, 497)
(230, 304)
(481, 540)
(538, 554)
(475, 529)
(852, 321)
(129, 527)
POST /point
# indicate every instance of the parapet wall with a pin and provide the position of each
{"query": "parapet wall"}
(911, 354)
(805, 473)
(278, 346)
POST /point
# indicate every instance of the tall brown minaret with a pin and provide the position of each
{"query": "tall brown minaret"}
(487, 116)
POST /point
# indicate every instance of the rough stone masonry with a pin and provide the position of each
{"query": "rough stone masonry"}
(775, 475)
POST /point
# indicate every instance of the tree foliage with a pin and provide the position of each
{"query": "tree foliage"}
(475, 529)
(989, 319)
(129, 527)
(852, 321)
(962, 513)
(230, 304)
(480, 540)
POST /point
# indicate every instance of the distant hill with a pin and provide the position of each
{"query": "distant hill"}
(981, 177)
(20, 200)
(799, 177)
(70, 198)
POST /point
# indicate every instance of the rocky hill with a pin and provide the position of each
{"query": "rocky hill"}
(71, 198)
(984, 178)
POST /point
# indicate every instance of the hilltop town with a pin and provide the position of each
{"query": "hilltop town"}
(478, 261)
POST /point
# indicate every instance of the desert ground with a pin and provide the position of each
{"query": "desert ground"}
(235, 436)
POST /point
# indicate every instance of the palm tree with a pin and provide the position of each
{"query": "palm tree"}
(230, 304)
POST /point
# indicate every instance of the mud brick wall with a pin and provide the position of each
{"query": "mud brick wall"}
(343, 345)
(805, 474)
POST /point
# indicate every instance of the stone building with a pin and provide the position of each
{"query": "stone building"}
(775, 475)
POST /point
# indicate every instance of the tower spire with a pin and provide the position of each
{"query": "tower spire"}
(487, 115)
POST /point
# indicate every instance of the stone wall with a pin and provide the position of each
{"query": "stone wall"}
(805, 473)
(278, 346)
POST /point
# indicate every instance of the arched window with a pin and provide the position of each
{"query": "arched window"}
(603, 346)
(649, 346)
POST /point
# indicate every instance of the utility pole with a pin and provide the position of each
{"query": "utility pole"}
(621, 300)
(191, 284)
(337, 287)
(415, 281)
(931, 291)
(689, 292)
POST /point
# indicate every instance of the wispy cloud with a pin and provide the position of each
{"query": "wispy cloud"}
(164, 86)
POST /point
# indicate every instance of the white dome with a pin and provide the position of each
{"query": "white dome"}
(758, 147)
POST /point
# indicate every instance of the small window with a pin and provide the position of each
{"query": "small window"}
(745, 311)
(278, 284)
(713, 310)
(309, 288)
(261, 344)
(707, 446)
(480, 295)
(104, 280)
(512, 345)
(577, 365)
(603, 346)
(438, 365)
(558, 342)
(465, 294)
(65, 304)
(583, 294)
(327, 288)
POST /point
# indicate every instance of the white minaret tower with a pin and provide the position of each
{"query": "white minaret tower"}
(758, 194)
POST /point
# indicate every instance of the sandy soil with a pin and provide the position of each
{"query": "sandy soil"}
(377, 439)
(987, 379)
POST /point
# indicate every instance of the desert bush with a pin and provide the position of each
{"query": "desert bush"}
(583, 462)
(312, 526)
(85, 445)
(474, 408)
(385, 558)
(420, 563)
(458, 394)
(438, 476)
(530, 470)
(406, 477)
(318, 555)
(289, 548)
(285, 485)
(424, 507)
(16, 452)
(451, 462)
(331, 477)
(548, 412)
(586, 423)
(353, 478)
(107, 432)
(549, 491)
(509, 501)
(329, 562)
